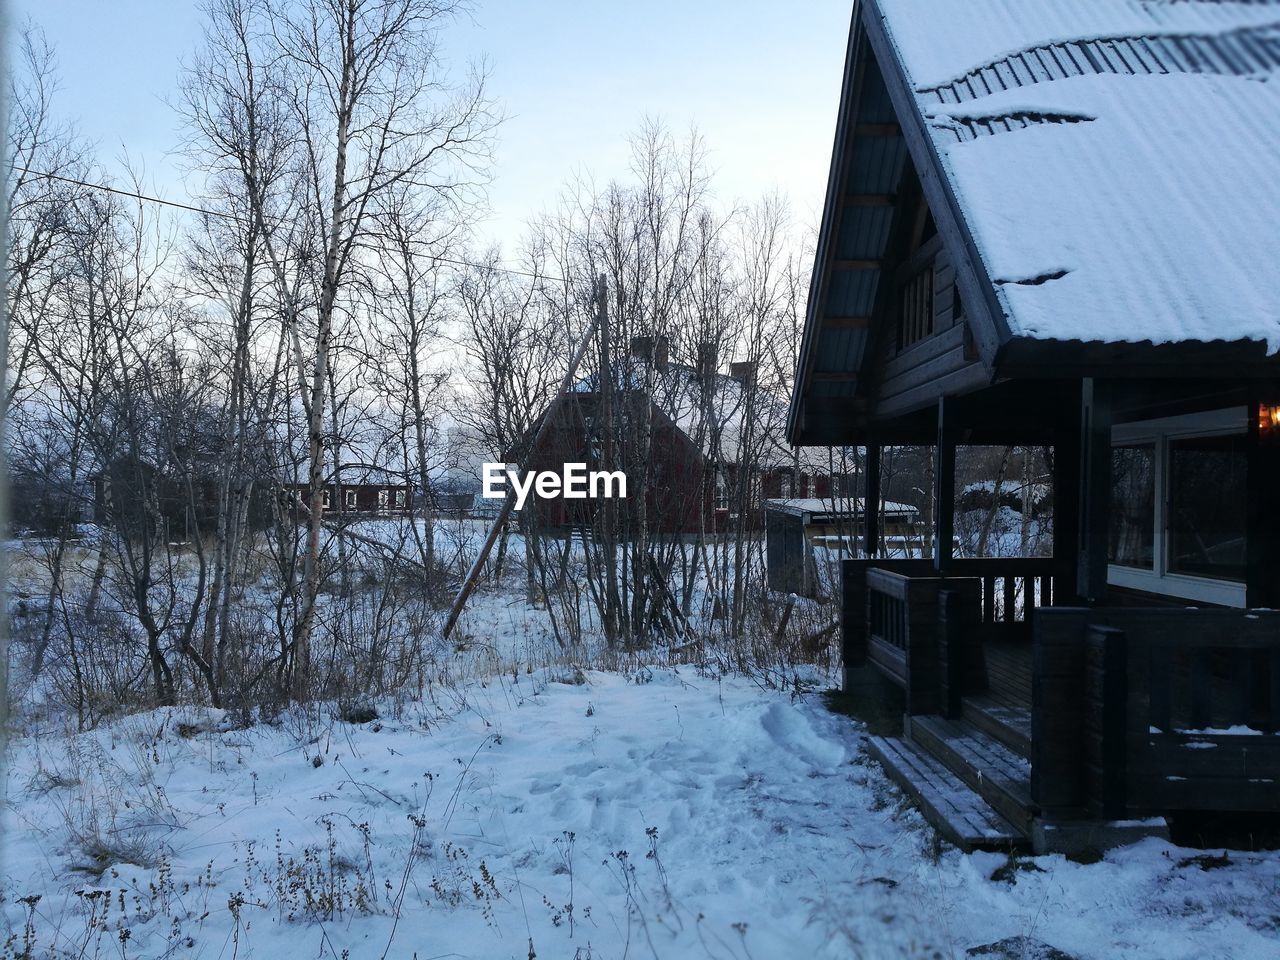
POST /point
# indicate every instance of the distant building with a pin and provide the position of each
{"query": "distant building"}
(795, 529)
(356, 491)
(704, 425)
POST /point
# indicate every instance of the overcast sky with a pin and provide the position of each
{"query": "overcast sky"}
(760, 79)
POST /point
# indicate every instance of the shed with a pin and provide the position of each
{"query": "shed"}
(795, 529)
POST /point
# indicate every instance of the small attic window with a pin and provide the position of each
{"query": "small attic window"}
(916, 318)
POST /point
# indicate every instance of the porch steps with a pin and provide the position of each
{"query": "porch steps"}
(1001, 777)
(955, 810)
(1008, 724)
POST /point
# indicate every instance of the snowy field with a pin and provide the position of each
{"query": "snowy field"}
(556, 814)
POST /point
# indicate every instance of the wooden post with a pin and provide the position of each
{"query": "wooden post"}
(853, 612)
(1057, 710)
(944, 491)
(956, 620)
(1095, 489)
(1067, 476)
(924, 676)
(1107, 692)
(871, 503)
(853, 619)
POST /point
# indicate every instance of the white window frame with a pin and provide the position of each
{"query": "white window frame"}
(384, 498)
(1159, 434)
(350, 498)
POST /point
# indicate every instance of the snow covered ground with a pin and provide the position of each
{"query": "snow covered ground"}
(662, 813)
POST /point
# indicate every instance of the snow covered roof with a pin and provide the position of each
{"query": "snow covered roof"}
(845, 505)
(1115, 161)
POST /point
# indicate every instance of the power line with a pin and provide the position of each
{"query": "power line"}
(238, 219)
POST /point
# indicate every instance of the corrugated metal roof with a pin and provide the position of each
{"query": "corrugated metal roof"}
(1117, 162)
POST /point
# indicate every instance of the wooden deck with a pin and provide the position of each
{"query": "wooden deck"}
(1145, 710)
(1009, 673)
(1004, 711)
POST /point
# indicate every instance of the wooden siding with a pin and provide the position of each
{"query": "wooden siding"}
(944, 363)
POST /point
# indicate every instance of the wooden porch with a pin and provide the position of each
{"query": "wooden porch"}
(1034, 726)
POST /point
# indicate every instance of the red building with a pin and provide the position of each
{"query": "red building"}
(681, 435)
(369, 492)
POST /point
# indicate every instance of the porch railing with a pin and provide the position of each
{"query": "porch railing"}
(1144, 711)
(925, 632)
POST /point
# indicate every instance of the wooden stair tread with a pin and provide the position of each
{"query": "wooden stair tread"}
(999, 775)
(1011, 725)
(952, 807)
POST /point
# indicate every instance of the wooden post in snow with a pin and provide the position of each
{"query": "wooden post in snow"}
(473, 575)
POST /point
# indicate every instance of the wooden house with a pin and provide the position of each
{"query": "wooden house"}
(357, 491)
(704, 426)
(1055, 224)
(139, 498)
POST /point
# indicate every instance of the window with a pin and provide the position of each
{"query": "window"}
(327, 499)
(1207, 507)
(384, 499)
(1133, 506)
(399, 498)
(786, 486)
(1178, 506)
(351, 499)
(916, 321)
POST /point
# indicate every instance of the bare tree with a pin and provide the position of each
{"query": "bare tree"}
(408, 294)
(376, 114)
(44, 157)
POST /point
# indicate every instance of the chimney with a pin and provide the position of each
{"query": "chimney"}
(642, 349)
(662, 353)
(707, 361)
(744, 372)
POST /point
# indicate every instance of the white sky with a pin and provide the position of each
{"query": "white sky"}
(760, 79)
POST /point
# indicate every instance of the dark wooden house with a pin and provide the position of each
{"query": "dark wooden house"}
(140, 499)
(1054, 224)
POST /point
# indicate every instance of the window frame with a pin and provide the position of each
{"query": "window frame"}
(1160, 433)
